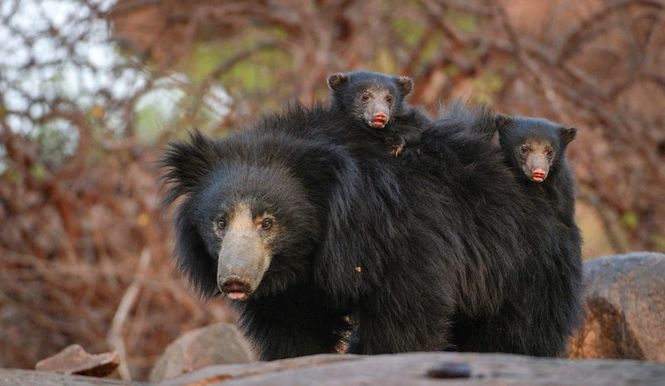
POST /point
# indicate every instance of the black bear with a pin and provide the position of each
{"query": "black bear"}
(441, 251)
(376, 103)
(548, 269)
(536, 149)
(253, 217)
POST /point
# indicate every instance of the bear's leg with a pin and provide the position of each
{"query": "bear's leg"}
(538, 325)
(525, 335)
(402, 322)
(537, 316)
(291, 325)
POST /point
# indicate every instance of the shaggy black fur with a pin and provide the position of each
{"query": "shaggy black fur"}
(513, 132)
(356, 95)
(559, 186)
(532, 254)
(444, 250)
(289, 178)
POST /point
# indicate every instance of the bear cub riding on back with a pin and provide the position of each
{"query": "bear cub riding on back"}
(376, 104)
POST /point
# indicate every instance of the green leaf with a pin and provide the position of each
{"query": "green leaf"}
(38, 172)
(630, 220)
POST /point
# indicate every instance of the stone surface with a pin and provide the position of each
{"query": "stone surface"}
(413, 369)
(625, 308)
(427, 369)
(212, 345)
(75, 360)
(14, 377)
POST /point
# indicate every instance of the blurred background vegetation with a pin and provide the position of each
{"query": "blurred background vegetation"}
(92, 90)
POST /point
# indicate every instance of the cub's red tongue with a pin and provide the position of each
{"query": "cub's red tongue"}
(538, 175)
(379, 120)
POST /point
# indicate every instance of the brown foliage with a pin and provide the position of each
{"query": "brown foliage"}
(596, 64)
(73, 229)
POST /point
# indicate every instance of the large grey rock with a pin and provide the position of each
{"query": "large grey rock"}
(435, 369)
(212, 345)
(625, 308)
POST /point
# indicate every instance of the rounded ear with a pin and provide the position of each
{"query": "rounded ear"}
(335, 81)
(185, 164)
(568, 134)
(405, 84)
(502, 121)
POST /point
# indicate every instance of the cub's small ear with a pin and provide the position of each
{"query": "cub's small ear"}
(335, 81)
(568, 134)
(501, 121)
(405, 84)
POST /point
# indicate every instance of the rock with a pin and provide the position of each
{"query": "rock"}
(419, 369)
(467, 369)
(75, 360)
(625, 309)
(212, 345)
(448, 370)
(15, 377)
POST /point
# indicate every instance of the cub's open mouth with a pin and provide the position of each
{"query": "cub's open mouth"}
(538, 175)
(379, 121)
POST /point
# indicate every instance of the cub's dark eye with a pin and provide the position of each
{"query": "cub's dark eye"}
(364, 97)
(524, 149)
(550, 153)
(266, 224)
(389, 98)
(221, 223)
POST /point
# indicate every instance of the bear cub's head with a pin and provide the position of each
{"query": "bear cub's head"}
(535, 146)
(369, 97)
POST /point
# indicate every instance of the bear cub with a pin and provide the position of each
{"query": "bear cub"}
(376, 104)
(536, 149)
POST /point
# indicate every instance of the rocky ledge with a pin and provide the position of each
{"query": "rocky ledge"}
(387, 370)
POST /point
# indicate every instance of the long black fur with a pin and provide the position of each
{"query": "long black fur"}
(440, 251)
(406, 122)
(559, 187)
(287, 315)
(537, 298)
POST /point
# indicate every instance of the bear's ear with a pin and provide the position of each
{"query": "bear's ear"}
(499, 127)
(186, 163)
(335, 81)
(405, 85)
(501, 121)
(568, 134)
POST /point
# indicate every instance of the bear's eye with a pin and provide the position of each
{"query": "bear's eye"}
(550, 153)
(524, 149)
(266, 224)
(221, 223)
(364, 97)
(389, 98)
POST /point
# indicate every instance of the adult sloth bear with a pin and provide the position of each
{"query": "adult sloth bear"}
(250, 227)
(301, 226)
